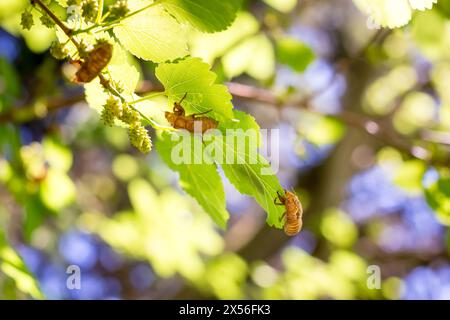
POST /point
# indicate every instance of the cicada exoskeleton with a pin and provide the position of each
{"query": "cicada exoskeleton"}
(293, 214)
(94, 62)
(179, 120)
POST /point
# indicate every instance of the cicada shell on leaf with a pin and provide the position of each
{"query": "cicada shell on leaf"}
(179, 120)
(293, 214)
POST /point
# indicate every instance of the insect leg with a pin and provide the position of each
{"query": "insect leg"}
(183, 98)
(277, 203)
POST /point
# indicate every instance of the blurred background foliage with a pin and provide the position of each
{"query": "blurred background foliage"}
(365, 132)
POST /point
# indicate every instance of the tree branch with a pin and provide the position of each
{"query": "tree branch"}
(24, 114)
(64, 28)
(372, 127)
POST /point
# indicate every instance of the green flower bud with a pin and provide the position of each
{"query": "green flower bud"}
(115, 106)
(59, 51)
(146, 145)
(118, 10)
(107, 117)
(139, 137)
(73, 2)
(83, 49)
(112, 109)
(47, 21)
(89, 10)
(26, 20)
(129, 115)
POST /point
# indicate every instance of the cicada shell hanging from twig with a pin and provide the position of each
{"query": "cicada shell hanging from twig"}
(93, 64)
(293, 214)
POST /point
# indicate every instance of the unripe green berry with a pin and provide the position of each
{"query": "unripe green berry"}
(118, 10)
(27, 20)
(116, 108)
(129, 115)
(84, 48)
(89, 10)
(47, 21)
(73, 2)
(59, 51)
(146, 145)
(139, 137)
(112, 109)
(107, 117)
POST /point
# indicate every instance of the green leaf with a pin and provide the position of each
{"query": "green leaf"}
(321, 130)
(429, 31)
(12, 265)
(284, 6)
(205, 15)
(337, 227)
(57, 155)
(438, 198)
(201, 181)
(255, 56)
(153, 35)
(38, 39)
(62, 3)
(416, 111)
(244, 26)
(294, 53)
(409, 176)
(57, 190)
(251, 173)
(35, 213)
(192, 76)
(10, 85)
(392, 14)
(166, 229)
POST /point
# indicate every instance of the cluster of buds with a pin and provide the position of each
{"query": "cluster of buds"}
(115, 109)
(84, 48)
(111, 109)
(89, 10)
(27, 20)
(139, 137)
(34, 164)
(47, 21)
(59, 51)
(118, 10)
(73, 2)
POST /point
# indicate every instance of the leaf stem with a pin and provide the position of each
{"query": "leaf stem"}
(100, 11)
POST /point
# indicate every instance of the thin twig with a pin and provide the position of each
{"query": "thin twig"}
(64, 28)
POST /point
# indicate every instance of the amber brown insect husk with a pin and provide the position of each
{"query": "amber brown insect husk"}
(293, 214)
(179, 120)
(93, 64)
